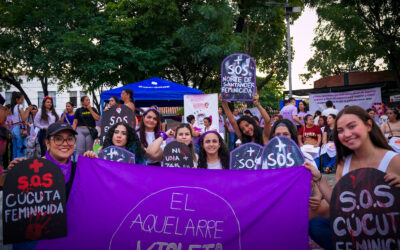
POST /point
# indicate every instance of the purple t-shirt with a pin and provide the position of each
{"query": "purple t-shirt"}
(301, 115)
(221, 124)
(230, 125)
(288, 112)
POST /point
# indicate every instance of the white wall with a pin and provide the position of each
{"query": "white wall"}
(33, 87)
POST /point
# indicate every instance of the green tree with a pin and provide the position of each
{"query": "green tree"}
(354, 34)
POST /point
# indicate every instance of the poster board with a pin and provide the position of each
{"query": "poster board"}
(34, 202)
(177, 154)
(281, 152)
(117, 113)
(238, 78)
(247, 156)
(202, 106)
(114, 153)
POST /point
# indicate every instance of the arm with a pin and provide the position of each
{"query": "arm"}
(36, 121)
(25, 114)
(300, 140)
(154, 151)
(94, 114)
(318, 140)
(320, 182)
(324, 138)
(75, 123)
(265, 116)
(383, 128)
(296, 119)
(131, 105)
(62, 118)
(393, 172)
(231, 119)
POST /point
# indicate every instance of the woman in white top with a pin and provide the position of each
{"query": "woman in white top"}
(45, 116)
(19, 116)
(213, 153)
(359, 144)
(150, 130)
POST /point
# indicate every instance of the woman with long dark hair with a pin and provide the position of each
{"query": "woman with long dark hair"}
(302, 111)
(213, 154)
(111, 102)
(329, 162)
(391, 128)
(19, 116)
(246, 127)
(359, 144)
(122, 135)
(149, 131)
(127, 98)
(47, 115)
(85, 124)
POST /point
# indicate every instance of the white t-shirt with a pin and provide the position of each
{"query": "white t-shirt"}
(15, 115)
(329, 111)
(150, 138)
(216, 165)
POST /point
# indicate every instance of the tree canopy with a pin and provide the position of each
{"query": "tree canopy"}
(99, 44)
(353, 35)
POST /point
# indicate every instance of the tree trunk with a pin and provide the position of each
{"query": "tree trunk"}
(44, 82)
(95, 101)
(393, 60)
(10, 79)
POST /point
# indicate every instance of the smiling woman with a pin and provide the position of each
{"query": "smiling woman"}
(213, 153)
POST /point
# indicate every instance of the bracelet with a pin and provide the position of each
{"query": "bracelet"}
(319, 179)
(162, 134)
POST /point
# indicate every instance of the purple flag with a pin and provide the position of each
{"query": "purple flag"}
(116, 206)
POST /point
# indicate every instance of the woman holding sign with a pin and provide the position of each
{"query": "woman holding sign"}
(122, 135)
(359, 144)
(246, 127)
(213, 153)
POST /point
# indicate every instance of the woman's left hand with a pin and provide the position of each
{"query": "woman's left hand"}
(256, 98)
(90, 154)
(393, 180)
(170, 133)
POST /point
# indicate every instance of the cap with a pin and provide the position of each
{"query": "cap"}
(57, 127)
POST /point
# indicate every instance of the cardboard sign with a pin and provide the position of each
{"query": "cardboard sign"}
(117, 113)
(177, 154)
(34, 202)
(281, 152)
(247, 156)
(365, 212)
(238, 77)
(114, 153)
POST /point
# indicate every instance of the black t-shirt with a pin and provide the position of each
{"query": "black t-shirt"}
(85, 118)
(329, 134)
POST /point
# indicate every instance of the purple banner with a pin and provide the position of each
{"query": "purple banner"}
(116, 206)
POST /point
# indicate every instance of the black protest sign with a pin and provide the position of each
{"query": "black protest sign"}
(238, 77)
(34, 202)
(247, 156)
(117, 113)
(365, 211)
(114, 153)
(177, 154)
(281, 152)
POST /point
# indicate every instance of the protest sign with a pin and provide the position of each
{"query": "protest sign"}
(281, 152)
(114, 153)
(363, 98)
(34, 202)
(117, 113)
(202, 106)
(247, 156)
(365, 211)
(182, 208)
(177, 154)
(238, 78)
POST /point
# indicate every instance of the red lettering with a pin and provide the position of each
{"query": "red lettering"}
(36, 181)
(36, 165)
(47, 180)
(23, 182)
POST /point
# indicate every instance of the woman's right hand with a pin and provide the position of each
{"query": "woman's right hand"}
(90, 154)
(170, 133)
(15, 161)
(316, 175)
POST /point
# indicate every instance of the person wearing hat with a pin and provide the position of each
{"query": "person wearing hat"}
(60, 143)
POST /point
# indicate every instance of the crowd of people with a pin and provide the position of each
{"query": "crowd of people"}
(345, 140)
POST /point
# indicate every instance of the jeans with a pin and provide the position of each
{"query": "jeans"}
(328, 161)
(232, 139)
(19, 149)
(41, 136)
(320, 232)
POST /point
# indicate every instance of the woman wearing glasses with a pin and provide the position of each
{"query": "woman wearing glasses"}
(391, 128)
(60, 141)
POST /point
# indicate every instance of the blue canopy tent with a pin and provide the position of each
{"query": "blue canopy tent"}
(153, 91)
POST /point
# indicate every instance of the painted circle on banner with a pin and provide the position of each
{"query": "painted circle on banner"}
(179, 218)
(365, 211)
